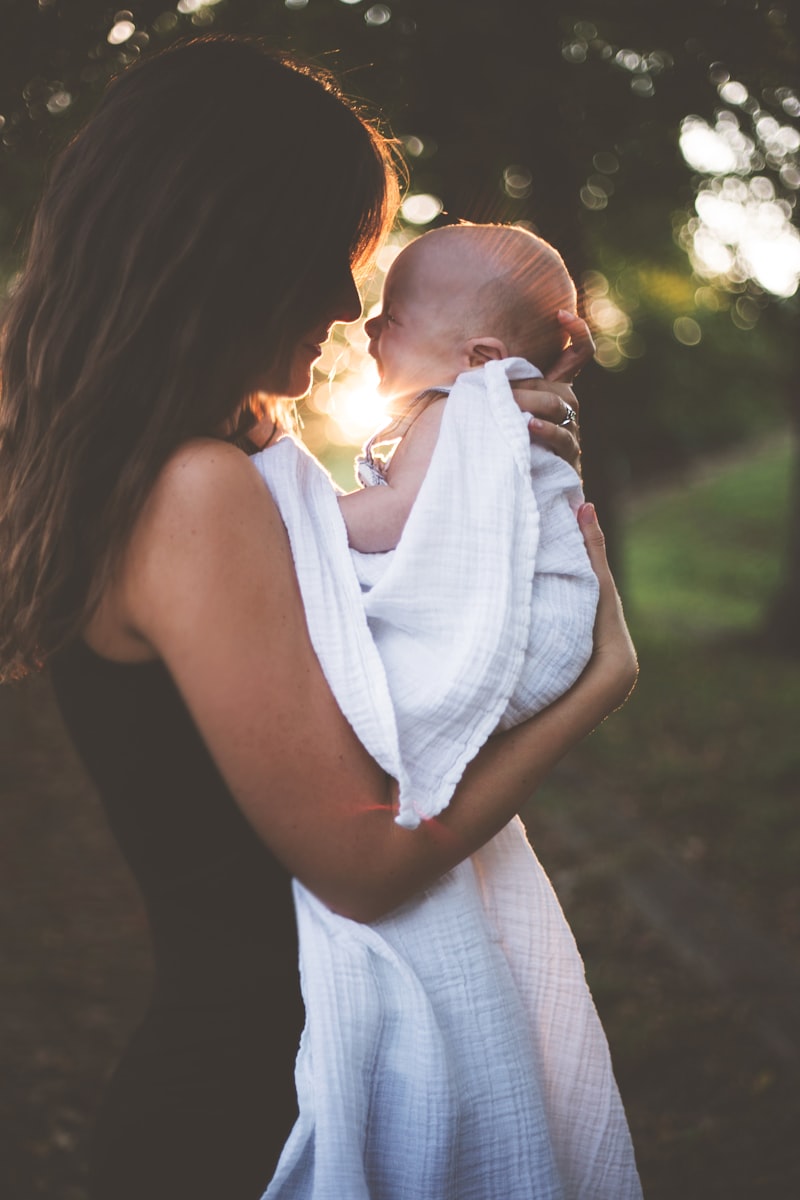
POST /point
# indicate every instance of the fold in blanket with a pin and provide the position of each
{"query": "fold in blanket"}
(452, 1049)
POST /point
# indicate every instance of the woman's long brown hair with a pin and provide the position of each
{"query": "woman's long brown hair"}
(186, 237)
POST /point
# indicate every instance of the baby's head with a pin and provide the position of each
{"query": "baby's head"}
(463, 294)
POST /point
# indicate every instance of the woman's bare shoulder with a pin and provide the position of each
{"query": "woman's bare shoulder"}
(207, 489)
(208, 520)
(204, 472)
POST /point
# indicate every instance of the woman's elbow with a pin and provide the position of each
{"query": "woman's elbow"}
(366, 898)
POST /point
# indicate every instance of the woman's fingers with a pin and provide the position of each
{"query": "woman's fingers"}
(553, 410)
(547, 399)
(562, 440)
(578, 353)
(595, 542)
(611, 636)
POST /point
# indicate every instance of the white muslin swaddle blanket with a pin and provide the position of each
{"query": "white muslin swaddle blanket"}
(452, 1050)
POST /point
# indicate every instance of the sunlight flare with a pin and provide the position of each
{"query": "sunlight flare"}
(354, 409)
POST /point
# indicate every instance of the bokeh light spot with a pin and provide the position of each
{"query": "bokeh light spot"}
(745, 313)
(378, 14)
(59, 102)
(642, 85)
(733, 92)
(421, 208)
(575, 52)
(629, 60)
(706, 149)
(194, 6)
(120, 31)
(686, 331)
(517, 182)
(708, 297)
(414, 146)
(605, 162)
(593, 198)
(607, 352)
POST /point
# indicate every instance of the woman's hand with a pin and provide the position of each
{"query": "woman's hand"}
(551, 401)
(578, 353)
(614, 653)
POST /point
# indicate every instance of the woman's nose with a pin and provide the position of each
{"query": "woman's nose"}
(347, 301)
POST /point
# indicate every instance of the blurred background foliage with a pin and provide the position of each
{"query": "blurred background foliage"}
(656, 146)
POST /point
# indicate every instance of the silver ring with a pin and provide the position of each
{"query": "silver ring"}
(569, 418)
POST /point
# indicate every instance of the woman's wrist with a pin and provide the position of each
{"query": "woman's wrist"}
(608, 680)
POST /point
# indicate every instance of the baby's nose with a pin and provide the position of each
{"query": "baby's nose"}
(372, 327)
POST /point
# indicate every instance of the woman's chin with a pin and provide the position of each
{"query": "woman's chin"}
(299, 385)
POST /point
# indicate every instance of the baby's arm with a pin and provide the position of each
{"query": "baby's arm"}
(376, 516)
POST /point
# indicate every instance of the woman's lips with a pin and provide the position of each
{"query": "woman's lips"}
(316, 347)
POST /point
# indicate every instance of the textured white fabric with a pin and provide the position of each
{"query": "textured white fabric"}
(483, 614)
(452, 1050)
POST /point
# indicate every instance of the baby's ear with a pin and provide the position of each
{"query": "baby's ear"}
(481, 350)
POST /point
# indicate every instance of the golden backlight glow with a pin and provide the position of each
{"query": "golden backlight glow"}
(345, 397)
(354, 409)
(344, 403)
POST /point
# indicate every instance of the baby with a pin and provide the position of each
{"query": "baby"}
(451, 1049)
(483, 609)
(453, 300)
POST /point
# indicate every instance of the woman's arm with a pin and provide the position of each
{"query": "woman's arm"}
(209, 584)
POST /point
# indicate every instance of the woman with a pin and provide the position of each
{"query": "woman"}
(193, 248)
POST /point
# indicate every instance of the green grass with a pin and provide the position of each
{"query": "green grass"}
(706, 752)
(706, 558)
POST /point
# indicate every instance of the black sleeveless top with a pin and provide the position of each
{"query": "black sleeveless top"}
(204, 1097)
